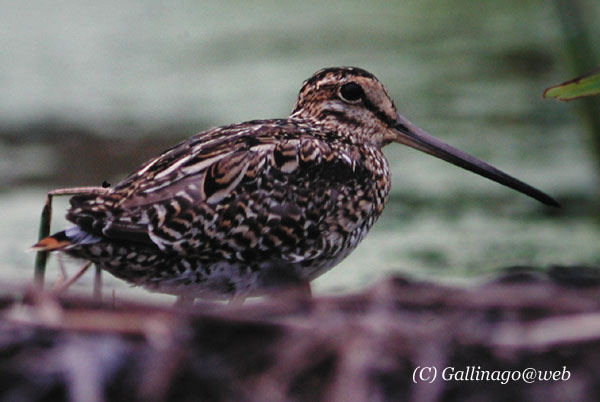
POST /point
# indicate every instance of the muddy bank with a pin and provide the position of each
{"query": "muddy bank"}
(51, 154)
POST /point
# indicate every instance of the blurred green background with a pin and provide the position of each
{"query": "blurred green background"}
(89, 90)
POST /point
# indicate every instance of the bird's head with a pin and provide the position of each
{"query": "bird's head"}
(351, 103)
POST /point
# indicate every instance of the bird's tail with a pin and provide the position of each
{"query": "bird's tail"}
(57, 241)
(61, 240)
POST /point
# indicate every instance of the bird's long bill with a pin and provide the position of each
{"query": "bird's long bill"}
(413, 136)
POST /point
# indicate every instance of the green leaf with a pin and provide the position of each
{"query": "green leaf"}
(586, 85)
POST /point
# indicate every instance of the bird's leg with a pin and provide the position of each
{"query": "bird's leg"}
(45, 220)
(62, 274)
(61, 287)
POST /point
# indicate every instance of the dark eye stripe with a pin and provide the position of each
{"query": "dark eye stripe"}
(341, 116)
(379, 113)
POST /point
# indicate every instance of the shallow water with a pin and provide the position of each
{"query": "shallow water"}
(89, 90)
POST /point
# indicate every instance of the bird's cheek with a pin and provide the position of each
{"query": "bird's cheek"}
(389, 136)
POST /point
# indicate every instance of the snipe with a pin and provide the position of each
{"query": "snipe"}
(238, 210)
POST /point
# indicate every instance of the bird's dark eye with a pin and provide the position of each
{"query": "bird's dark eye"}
(351, 92)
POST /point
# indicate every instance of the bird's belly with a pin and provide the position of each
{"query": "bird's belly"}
(212, 277)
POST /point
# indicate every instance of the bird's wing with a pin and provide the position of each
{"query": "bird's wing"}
(234, 189)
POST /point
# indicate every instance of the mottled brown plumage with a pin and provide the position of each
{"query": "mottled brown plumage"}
(237, 210)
